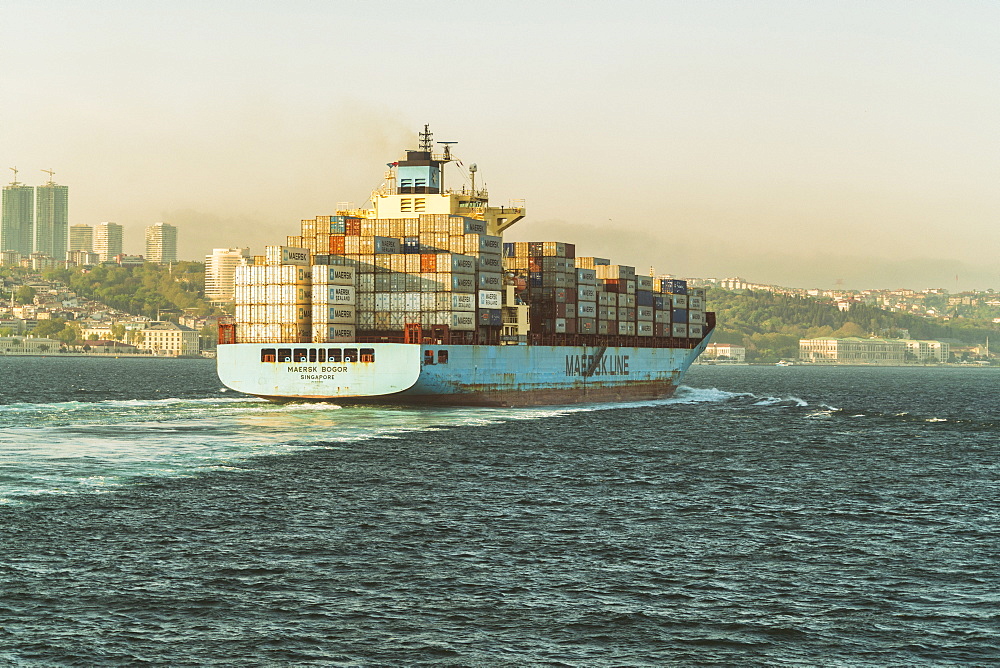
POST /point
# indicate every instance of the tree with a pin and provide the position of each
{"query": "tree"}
(24, 294)
(44, 347)
(117, 331)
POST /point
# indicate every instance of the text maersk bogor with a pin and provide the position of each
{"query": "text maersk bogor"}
(576, 365)
(316, 372)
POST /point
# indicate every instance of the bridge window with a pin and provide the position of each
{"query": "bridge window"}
(322, 355)
(299, 355)
(442, 357)
(333, 355)
(312, 354)
(350, 354)
(284, 354)
(368, 355)
(267, 355)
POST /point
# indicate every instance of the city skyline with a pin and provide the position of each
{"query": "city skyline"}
(800, 144)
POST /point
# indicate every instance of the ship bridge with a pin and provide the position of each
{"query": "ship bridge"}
(415, 185)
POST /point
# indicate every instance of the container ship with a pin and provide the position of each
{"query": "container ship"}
(418, 300)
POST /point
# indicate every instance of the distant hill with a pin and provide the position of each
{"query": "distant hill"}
(770, 325)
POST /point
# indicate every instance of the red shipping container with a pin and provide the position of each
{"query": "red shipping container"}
(570, 250)
(352, 226)
(534, 263)
(337, 245)
(428, 262)
(614, 285)
(571, 325)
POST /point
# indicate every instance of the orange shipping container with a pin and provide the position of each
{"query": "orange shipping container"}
(428, 262)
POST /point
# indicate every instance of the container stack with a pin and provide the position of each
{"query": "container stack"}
(551, 288)
(590, 295)
(274, 301)
(435, 270)
(334, 314)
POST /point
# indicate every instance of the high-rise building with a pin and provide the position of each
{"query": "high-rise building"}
(220, 272)
(51, 219)
(161, 243)
(17, 224)
(81, 238)
(107, 241)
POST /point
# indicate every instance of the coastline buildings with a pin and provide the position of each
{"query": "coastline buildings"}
(51, 219)
(220, 273)
(161, 243)
(725, 352)
(17, 224)
(107, 241)
(856, 350)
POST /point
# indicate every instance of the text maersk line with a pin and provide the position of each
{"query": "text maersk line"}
(576, 365)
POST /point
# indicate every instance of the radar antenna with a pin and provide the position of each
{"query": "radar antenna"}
(426, 138)
(447, 149)
(472, 175)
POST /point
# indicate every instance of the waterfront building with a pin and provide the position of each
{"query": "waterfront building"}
(853, 350)
(161, 243)
(51, 220)
(108, 241)
(220, 272)
(168, 338)
(725, 351)
(81, 238)
(10, 258)
(927, 351)
(17, 224)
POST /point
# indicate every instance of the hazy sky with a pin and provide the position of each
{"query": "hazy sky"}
(799, 143)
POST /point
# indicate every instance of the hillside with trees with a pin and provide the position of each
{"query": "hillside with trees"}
(770, 325)
(150, 290)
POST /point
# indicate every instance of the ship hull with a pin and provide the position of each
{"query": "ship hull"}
(471, 375)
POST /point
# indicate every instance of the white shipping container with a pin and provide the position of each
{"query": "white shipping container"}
(679, 330)
(696, 317)
(333, 274)
(490, 299)
(490, 262)
(695, 331)
(644, 282)
(662, 317)
(586, 309)
(679, 301)
(277, 255)
(586, 293)
(460, 302)
(586, 277)
(644, 328)
(644, 313)
(382, 301)
(490, 244)
(559, 325)
(626, 328)
(463, 321)
(696, 303)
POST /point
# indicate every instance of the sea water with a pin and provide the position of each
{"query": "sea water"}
(763, 516)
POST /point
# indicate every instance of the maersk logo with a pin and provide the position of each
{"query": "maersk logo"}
(589, 365)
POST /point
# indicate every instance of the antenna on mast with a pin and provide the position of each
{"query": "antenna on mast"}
(14, 182)
(472, 174)
(426, 138)
(50, 173)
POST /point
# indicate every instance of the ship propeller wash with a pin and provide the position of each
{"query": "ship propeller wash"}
(418, 299)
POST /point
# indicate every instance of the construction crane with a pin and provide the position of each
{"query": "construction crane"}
(50, 173)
